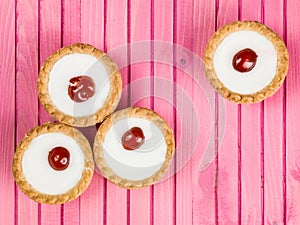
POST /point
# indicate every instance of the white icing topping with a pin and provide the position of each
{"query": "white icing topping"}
(140, 163)
(74, 65)
(41, 175)
(256, 79)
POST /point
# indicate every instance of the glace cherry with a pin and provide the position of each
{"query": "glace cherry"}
(59, 158)
(133, 138)
(81, 88)
(244, 60)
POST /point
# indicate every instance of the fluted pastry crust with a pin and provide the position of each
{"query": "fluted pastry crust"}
(74, 192)
(282, 61)
(113, 96)
(137, 113)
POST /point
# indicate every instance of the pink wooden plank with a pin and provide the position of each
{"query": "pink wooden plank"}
(227, 189)
(71, 33)
(273, 132)
(49, 42)
(71, 21)
(7, 111)
(292, 121)
(50, 214)
(163, 193)
(251, 201)
(92, 201)
(50, 38)
(116, 36)
(204, 182)
(140, 30)
(92, 23)
(26, 92)
(203, 197)
(183, 33)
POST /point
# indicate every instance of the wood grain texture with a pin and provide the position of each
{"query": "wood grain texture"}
(251, 203)
(50, 31)
(50, 214)
(26, 91)
(49, 42)
(183, 36)
(92, 202)
(140, 31)
(7, 111)
(203, 178)
(71, 33)
(116, 25)
(292, 120)
(273, 132)
(227, 188)
(162, 23)
(251, 198)
(254, 179)
(71, 21)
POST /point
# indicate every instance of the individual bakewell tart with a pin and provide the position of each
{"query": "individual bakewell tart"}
(133, 147)
(53, 164)
(79, 85)
(246, 62)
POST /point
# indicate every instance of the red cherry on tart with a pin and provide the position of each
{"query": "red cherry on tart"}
(245, 60)
(59, 158)
(53, 164)
(133, 138)
(81, 88)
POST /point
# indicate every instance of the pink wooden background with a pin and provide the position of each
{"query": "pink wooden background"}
(254, 178)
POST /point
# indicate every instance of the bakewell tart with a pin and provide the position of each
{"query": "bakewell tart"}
(133, 147)
(53, 164)
(79, 85)
(246, 62)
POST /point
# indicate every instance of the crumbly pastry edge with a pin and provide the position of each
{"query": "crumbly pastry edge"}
(135, 112)
(74, 192)
(111, 102)
(282, 61)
